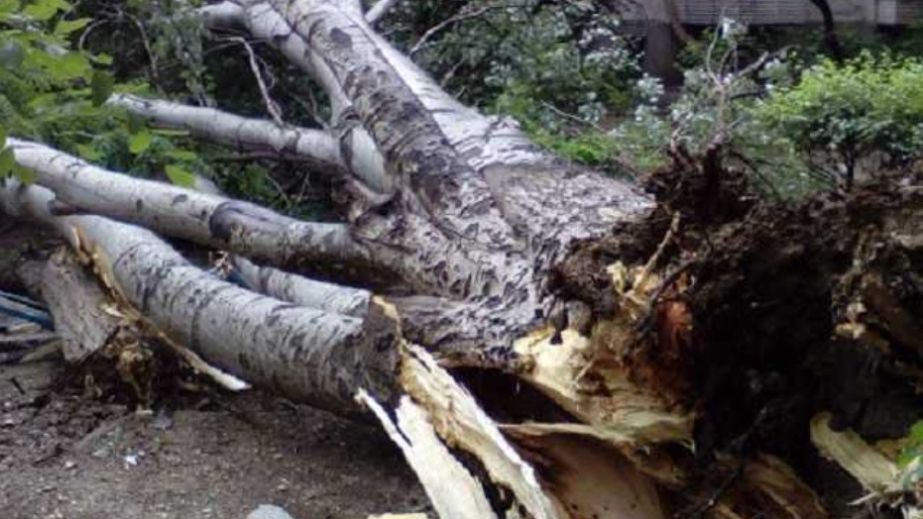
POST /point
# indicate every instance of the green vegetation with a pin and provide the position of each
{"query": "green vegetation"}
(564, 70)
(869, 109)
(46, 90)
(53, 92)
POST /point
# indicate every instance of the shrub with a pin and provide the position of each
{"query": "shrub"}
(868, 111)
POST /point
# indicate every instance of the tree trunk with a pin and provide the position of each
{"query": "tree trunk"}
(831, 40)
(305, 353)
(593, 360)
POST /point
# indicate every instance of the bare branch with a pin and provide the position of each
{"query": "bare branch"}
(226, 128)
(439, 27)
(223, 15)
(379, 10)
(271, 106)
(289, 142)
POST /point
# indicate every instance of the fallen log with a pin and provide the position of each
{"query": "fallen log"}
(308, 354)
(596, 360)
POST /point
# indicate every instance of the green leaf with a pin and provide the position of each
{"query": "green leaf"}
(913, 445)
(65, 27)
(7, 161)
(2, 137)
(101, 87)
(72, 65)
(8, 6)
(102, 59)
(180, 176)
(24, 174)
(44, 9)
(182, 155)
(140, 142)
(916, 433)
(89, 152)
(136, 123)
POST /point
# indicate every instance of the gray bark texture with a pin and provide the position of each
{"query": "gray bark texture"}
(458, 223)
(184, 213)
(75, 300)
(240, 132)
(307, 354)
(475, 216)
(290, 287)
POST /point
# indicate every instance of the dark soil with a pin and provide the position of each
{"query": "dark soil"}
(767, 283)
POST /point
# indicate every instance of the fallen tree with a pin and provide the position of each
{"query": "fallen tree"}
(544, 341)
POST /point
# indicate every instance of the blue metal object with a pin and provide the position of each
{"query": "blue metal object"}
(15, 305)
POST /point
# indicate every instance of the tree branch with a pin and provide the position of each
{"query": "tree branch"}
(831, 40)
(223, 15)
(234, 130)
(302, 291)
(289, 287)
(379, 10)
(392, 108)
(305, 354)
(481, 140)
(223, 223)
(432, 31)
(271, 106)
(348, 153)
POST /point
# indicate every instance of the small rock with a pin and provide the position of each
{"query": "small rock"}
(162, 421)
(269, 512)
(101, 452)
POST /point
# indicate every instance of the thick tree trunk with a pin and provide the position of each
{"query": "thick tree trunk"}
(311, 355)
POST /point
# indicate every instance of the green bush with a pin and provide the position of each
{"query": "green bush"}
(53, 92)
(866, 111)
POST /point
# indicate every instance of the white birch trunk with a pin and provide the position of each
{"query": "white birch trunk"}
(183, 213)
(307, 354)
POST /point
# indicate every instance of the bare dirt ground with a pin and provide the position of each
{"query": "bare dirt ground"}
(64, 455)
